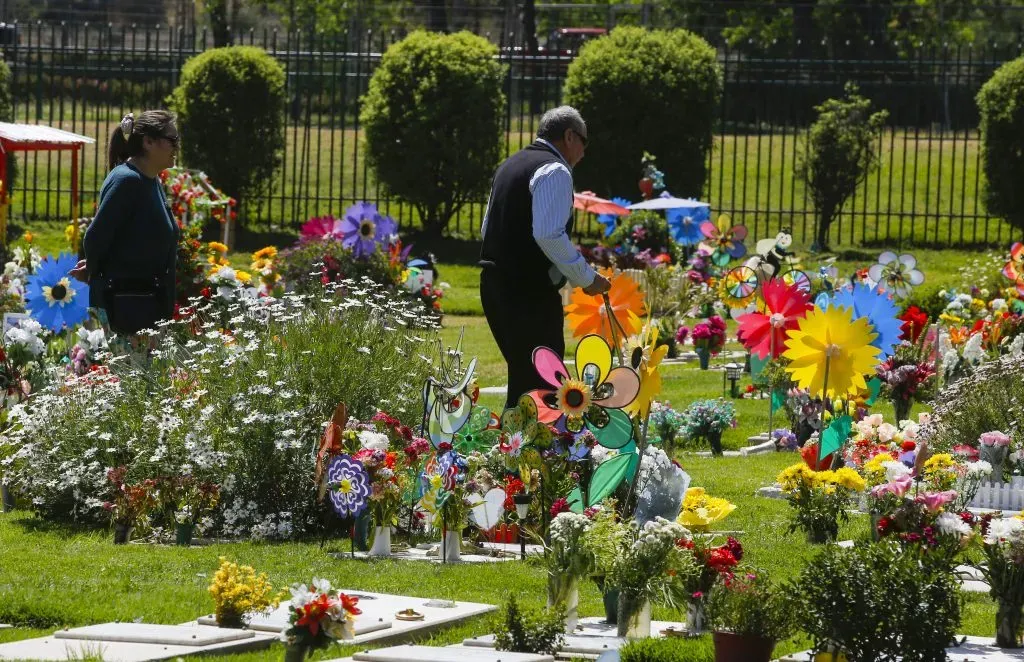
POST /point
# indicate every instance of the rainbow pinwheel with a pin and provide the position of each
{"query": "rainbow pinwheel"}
(684, 223)
(725, 242)
(878, 308)
(831, 339)
(593, 398)
(897, 273)
(764, 332)
(1014, 268)
(587, 314)
(349, 485)
(647, 357)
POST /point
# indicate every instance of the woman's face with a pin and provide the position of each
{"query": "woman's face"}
(161, 150)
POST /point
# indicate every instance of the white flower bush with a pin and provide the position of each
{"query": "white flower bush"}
(243, 408)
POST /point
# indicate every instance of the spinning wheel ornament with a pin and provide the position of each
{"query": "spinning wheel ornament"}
(739, 287)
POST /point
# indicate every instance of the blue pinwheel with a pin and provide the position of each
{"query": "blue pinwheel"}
(880, 311)
(684, 223)
(364, 229)
(349, 485)
(611, 221)
(55, 299)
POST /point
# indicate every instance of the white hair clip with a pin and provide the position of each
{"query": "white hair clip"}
(127, 125)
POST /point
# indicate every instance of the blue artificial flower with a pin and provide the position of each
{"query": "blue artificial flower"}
(880, 311)
(55, 299)
(684, 224)
(611, 221)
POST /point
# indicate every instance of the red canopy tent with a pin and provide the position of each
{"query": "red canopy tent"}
(38, 138)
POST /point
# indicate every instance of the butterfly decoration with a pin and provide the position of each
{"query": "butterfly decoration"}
(725, 242)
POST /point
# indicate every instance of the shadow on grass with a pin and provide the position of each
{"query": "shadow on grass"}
(31, 523)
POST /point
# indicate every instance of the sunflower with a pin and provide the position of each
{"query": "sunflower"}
(587, 314)
(831, 339)
(573, 398)
(650, 357)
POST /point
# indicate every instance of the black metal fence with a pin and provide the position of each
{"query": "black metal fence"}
(928, 189)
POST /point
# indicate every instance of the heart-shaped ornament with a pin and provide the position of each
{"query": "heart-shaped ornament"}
(487, 514)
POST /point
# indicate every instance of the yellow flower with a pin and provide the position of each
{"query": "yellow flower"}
(28, 237)
(850, 479)
(650, 377)
(237, 590)
(700, 511)
(573, 398)
(243, 276)
(940, 471)
(268, 252)
(792, 477)
(873, 469)
(216, 246)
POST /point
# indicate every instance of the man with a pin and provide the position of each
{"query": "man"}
(527, 255)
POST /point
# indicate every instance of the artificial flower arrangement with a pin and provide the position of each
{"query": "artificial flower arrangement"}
(875, 441)
(319, 614)
(700, 510)
(88, 352)
(927, 521)
(665, 425)
(709, 335)
(191, 499)
(785, 439)
(908, 374)
(994, 448)
(238, 593)
(706, 420)
(819, 499)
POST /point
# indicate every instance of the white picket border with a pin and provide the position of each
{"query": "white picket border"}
(1000, 496)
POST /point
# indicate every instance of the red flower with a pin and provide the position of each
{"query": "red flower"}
(444, 446)
(735, 547)
(915, 321)
(908, 446)
(349, 602)
(312, 612)
(884, 524)
(559, 506)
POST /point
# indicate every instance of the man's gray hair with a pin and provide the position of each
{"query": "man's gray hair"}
(555, 122)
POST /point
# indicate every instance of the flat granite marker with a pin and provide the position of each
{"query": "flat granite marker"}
(413, 653)
(974, 649)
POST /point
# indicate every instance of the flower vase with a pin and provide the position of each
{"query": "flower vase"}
(875, 534)
(564, 591)
(452, 546)
(610, 597)
(634, 621)
(695, 618)
(994, 455)
(6, 498)
(731, 647)
(1008, 624)
(901, 406)
(715, 439)
(381, 541)
(704, 355)
(361, 532)
(819, 535)
(183, 533)
(295, 653)
(122, 533)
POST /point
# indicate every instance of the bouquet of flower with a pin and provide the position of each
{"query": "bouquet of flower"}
(445, 483)
(238, 592)
(713, 563)
(264, 267)
(700, 511)
(1003, 570)
(994, 448)
(129, 504)
(707, 419)
(665, 422)
(388, 481)
(819, 498)
(709, 335)
(194, 499)
(87, 353)
(320, 615)
(906, 375)
(568, 560)
(784, 440)
(926, 522)
(652, 564)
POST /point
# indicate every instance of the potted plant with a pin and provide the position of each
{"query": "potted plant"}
(238, 592)
(749, 615)
(707, 419)
(195, 500)
(129, 504)
(568, 561)
(319, 615)
(526, 631)
(819, 499)
(651, 566)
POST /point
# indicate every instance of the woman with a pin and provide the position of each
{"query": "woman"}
(131, 246)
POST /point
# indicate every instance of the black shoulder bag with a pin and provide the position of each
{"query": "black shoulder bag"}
(133, 304)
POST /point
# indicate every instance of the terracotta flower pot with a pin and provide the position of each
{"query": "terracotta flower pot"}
(731, 647)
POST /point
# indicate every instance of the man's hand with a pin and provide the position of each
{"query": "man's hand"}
(79, 273)
(599, 286)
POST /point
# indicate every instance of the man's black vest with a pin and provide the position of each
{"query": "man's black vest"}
(508, 243)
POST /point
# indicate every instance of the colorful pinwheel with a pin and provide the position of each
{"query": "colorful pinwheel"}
(738, 288)
(522, 420)
(831, 339)
(364, 228)
(480, 432)
(611, 221)
(726, 243)
(874, 305)
(447, 403)
(764, 332)
(684, 224)
(587, 314)
(349, 485)
(646, 364)
(593, 398)
(53, 298)
(897, 273)
(1014, 268)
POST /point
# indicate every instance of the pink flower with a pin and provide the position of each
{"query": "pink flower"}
(995, 438)
(935, 500)
(965, 451)
(899, 487)
(682, 333)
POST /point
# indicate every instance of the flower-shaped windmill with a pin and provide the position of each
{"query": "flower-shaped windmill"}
(593, 398)
(645, 359)
(53, 298)
(588, 314)
(830, 352)
(319, 227)
(1014, 268)
(480, 432)
(447, 403)
(897, 273)
(878, 308)
(725, 242)
(349, 486)
(364, 228)
(764, 331)
(684, 223)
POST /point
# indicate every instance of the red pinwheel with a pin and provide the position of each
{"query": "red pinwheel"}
(784, 306)
(725, 243)
(1014, 269)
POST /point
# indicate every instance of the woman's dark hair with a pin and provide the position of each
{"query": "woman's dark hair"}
(152, 123)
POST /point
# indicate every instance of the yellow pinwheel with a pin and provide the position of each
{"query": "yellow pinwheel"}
(645, 358)
(831, 339)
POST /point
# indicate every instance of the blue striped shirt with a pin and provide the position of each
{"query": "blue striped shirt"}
(552, 190)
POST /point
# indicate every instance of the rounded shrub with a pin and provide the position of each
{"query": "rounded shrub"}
(230, 105)
(7, 115)
(432, 117)
(645, 90)
(1001, 106)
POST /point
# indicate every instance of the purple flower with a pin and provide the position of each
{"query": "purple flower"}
(350, 486)
(364, 229)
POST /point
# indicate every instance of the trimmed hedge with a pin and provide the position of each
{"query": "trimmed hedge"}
(1001, 104)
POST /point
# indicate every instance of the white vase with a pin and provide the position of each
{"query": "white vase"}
(634, 620)
(381, 541)
(452, 546)
(565, 591)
